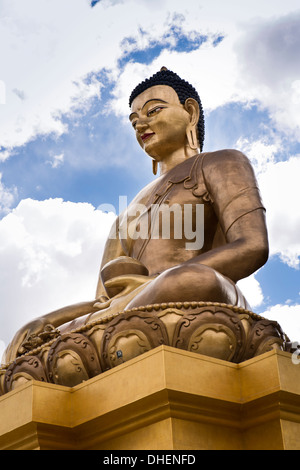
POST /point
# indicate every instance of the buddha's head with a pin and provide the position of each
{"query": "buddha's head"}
(167, 115)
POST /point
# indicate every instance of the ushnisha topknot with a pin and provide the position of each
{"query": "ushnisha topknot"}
(183, 89)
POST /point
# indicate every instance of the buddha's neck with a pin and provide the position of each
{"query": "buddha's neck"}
(173, 159)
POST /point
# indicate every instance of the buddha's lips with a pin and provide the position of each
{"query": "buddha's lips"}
(146, 136)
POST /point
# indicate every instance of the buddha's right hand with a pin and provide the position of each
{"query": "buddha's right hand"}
(28, 333)
(43, 328)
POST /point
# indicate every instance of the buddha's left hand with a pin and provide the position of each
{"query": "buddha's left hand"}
(126, 283)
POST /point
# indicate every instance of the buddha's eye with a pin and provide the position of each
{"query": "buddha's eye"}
(154, 110)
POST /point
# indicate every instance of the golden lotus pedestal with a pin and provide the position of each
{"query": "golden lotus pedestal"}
(165, 399)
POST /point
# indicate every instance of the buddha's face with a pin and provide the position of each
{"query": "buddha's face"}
(160, 121)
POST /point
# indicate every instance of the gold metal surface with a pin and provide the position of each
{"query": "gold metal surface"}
(137, 271)
(174, 399)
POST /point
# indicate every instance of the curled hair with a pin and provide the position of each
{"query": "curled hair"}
(183, 89)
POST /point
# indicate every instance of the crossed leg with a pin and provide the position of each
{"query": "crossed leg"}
(192, 282)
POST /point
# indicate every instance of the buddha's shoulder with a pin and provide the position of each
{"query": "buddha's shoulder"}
(223, 157)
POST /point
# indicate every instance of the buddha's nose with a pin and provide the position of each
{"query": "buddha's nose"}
(141, 126)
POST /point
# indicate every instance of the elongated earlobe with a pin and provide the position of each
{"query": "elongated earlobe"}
(192, 108)
(154, 166)
(191, 134)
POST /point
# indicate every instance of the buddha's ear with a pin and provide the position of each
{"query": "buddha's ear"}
(192, 107)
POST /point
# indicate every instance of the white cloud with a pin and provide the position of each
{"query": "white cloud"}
(280, 189)
(50, 254)
(269, 70)
(214, 89)
(251, 289)
(288, 318)
(261, 153)
(56, 160)
(278, 182)
(51, 46)
(2, 349)
(236, 70)
(2, 92)
(7, 197)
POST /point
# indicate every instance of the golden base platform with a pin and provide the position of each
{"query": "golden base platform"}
(165, 399)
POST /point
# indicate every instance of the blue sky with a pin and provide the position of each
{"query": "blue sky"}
(66, 146)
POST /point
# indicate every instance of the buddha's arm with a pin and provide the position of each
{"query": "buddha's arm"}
(236, 200)
(120, 273)
(112, 250)
(62, 315)
(36, 326)
(245, 252)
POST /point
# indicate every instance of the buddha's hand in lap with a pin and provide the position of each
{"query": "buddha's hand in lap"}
(126, 283)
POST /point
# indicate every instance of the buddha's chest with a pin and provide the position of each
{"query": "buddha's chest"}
(174, 224)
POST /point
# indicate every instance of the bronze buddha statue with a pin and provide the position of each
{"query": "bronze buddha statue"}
(215, 193)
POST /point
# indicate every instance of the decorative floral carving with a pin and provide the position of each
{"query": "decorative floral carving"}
(22, 370)
(213, 329)
(139, 331)
(72, 358)
(223, 337)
